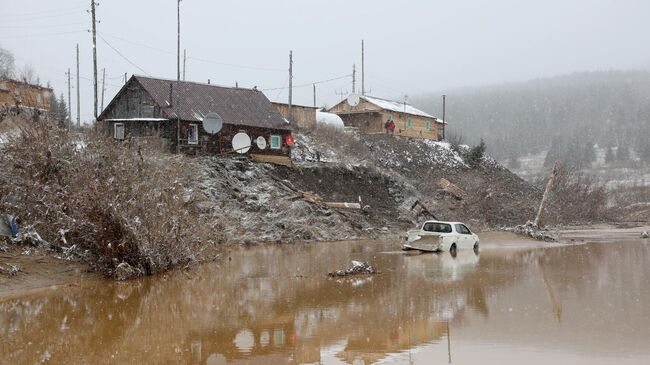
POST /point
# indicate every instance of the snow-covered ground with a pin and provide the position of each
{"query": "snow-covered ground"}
(613, 175)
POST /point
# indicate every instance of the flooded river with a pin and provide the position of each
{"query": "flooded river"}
(578, 304)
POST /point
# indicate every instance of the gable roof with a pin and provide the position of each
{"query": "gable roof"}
(396, 106)
(192, 101)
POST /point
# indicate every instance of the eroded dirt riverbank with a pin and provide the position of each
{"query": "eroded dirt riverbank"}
(273, 304)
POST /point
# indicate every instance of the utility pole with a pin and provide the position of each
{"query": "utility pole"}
(78, 92)
(69, 100)
(444, 119)
(178, 49)
(314, 85)
(125, 77)
(92, 11)
(354, 78)
(184, 62)
(103, 88)
(363, 69)
(290, 85)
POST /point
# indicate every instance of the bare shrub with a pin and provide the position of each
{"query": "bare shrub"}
(114, 202)
(576, 198)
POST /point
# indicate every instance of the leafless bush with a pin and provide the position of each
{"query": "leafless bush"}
(115, 202)
(338, 138)
(576, 198)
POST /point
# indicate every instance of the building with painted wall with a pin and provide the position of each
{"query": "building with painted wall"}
(372, 114)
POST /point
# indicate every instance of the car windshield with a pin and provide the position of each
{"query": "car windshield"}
(437, 227)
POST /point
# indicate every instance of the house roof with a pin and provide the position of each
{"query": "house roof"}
(192, 101)
(396, 106)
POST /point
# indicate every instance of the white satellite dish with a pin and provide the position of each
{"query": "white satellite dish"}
(241, 142)
(354, 99)
(212, 123)
(261, 142)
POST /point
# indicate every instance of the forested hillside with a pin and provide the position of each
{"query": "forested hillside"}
(566, 115)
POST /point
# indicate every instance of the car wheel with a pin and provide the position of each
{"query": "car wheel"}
(476, 246)
(452, 249)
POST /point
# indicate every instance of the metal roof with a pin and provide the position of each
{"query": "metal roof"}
(192, 101)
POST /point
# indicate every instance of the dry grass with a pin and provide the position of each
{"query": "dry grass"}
(107, 201)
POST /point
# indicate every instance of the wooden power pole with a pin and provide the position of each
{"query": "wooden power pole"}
(78, 92)
(354, 78)
(69, 100)
(103, 88)
(92, 12)
(184, 62)
(444, 117)
(178, 43)
(314, 85)
(290, 85)
(363, 69)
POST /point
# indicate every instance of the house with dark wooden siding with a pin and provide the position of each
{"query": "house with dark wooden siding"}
(174, 110)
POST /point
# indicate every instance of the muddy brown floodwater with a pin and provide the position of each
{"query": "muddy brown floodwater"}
(511, 304)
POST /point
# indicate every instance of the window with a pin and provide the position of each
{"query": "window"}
(118, 131)
(437, 227)
(460, 228)
(409, 123)
(193, 134)
(276, 142)
(427, 125)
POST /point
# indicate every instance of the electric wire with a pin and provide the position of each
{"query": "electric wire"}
(123, 56)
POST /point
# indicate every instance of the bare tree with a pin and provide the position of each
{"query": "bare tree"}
(28, 75)
(7, 64)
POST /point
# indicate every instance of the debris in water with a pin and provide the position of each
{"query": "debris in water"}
(645, 234)
(529, 230)
(11, 270)
(357, 268)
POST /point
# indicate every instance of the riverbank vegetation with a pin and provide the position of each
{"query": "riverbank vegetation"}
(110, 203)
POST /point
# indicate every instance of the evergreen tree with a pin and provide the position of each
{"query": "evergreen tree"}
(589, 153)
(475, 155)
(644, 154)
(553, 153)
(609, 156)
(63, 111)
(623, 153)
(54, 108)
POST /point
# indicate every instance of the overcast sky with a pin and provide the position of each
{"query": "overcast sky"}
(412, 46)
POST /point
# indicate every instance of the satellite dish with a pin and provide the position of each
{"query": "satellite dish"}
(212, 123)
(261, 142)
(241, 142)
(354, 99)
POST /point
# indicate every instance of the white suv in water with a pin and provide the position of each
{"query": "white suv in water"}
(436, 236)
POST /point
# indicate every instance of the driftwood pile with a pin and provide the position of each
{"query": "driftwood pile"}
(533, 232)
(357, 268)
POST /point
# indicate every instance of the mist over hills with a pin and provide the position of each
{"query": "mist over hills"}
(569, 112)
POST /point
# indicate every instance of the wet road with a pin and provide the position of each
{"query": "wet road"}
(580, 304)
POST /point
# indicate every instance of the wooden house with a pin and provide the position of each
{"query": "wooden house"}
(18, 97)
(301, 115)
(371, 115)
(174, 110)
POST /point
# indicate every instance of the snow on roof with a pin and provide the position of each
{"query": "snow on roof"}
(136, 120)
(329, 118)
(396, 106)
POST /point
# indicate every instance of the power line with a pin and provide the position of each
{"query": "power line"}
(41, 26)
(48, 34)
(194, 58)
(19, 19)
(309, 84)
(44, 12)
(123, 56)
